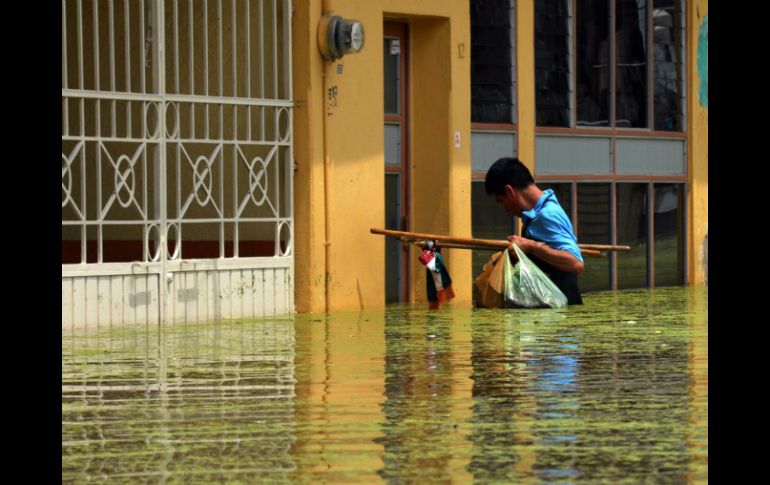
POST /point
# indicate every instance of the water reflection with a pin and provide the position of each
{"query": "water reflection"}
(203, 402)
(418, 425)
(615, 390)
(596, 399)
(339, 392)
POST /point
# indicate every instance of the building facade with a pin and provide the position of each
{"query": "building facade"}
(214, 165)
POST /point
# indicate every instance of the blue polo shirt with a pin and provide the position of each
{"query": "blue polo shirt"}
(549, 223)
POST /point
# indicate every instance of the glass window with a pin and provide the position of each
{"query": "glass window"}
(595, 72)
(631, 63)
(593, 62)
(552, 63)
(668, 229)
(632, 231)
(594, 227)
(667, 39)
(392, 75)
(393, 246)
(492, 80)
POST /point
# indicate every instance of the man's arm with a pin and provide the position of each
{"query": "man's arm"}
(562, 260)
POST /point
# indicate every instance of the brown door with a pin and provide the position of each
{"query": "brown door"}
(395, 75)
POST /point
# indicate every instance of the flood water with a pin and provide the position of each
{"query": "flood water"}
(612, 391)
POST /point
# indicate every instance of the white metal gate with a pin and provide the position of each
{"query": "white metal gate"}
(176, 160)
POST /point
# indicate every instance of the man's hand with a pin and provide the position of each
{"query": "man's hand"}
(523, 243)
(559, 259)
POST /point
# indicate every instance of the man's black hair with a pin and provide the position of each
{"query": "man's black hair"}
(507, 171)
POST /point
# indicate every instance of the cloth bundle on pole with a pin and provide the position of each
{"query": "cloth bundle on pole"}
(438, 281)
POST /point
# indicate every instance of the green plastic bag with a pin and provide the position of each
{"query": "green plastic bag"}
(526, 286)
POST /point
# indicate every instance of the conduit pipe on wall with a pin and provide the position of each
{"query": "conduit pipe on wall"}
(327, 67)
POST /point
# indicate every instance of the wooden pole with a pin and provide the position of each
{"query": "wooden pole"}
(483, 247)
(487, 243)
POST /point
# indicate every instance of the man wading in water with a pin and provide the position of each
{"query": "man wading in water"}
(548, 239)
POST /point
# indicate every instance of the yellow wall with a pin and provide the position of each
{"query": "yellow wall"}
(698, 148)
(339, 151)
(308, 155)
(349, 140)
(525, 81)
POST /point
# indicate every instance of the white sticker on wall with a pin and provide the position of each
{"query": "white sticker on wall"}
(457, 139)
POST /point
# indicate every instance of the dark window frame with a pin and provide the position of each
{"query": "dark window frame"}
(613, 129)
(512, 125)
(617, 133)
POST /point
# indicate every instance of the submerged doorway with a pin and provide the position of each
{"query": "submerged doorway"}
(395, 75)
